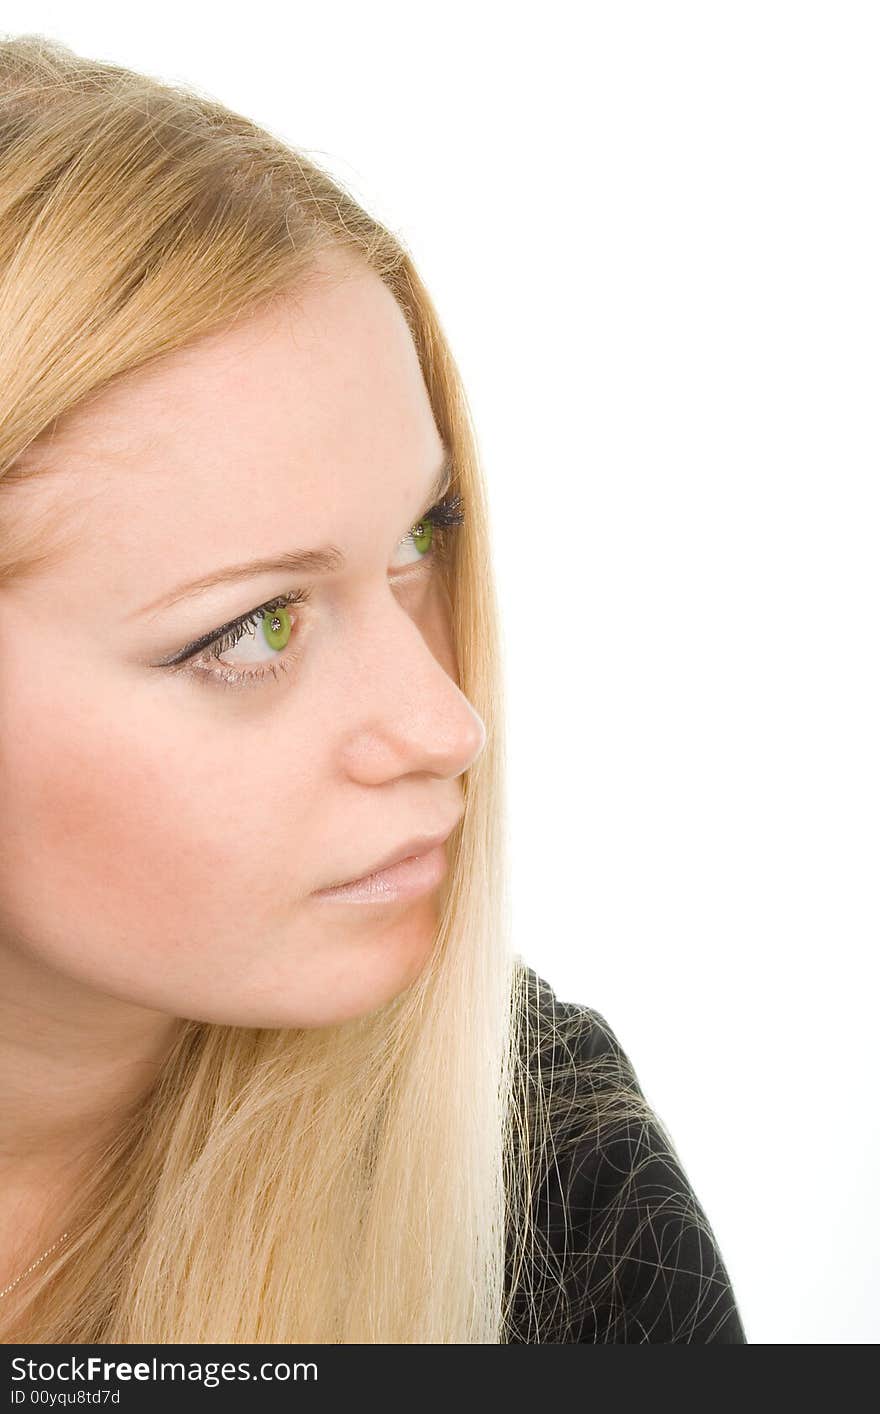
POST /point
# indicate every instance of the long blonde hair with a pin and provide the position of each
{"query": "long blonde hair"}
(353, 1183)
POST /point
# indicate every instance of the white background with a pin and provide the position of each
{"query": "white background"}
(652, 234)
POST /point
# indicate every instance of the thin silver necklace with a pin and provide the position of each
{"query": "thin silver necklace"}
(7, 1289)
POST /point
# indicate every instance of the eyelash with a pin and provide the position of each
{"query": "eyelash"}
(445, 517)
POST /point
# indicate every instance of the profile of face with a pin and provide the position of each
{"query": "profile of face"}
(168, 823)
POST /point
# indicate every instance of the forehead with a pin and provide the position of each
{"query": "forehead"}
(279, 417)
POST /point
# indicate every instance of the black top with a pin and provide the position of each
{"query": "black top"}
(624, 1251)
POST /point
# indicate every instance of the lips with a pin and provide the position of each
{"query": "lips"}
(418, 845)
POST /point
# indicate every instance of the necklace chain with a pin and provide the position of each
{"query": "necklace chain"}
(6, 1289)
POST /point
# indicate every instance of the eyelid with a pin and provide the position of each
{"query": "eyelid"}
(206, 640)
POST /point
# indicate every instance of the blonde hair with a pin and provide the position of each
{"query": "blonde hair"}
(358, 1182)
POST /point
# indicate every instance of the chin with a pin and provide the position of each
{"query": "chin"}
(351, 971)
(387, 965)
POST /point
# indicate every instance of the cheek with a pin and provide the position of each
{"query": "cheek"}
(142, 829)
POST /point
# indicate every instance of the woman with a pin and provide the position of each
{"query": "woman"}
(244, 1100)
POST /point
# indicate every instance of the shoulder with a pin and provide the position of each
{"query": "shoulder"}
(621, 1249)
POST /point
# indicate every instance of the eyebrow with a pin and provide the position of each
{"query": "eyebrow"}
(324, 559)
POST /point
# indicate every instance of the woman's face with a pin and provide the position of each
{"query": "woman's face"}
(164, 831)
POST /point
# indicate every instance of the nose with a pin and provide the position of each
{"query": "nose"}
(408, 712)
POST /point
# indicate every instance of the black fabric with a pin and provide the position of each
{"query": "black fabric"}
(633, 1260)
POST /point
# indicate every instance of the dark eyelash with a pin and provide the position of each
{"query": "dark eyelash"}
(219, 636)
(445, 516)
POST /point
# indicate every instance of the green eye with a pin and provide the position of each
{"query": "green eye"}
(422, 534)
(276, 627)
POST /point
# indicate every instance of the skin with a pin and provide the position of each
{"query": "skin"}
(163, 834)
